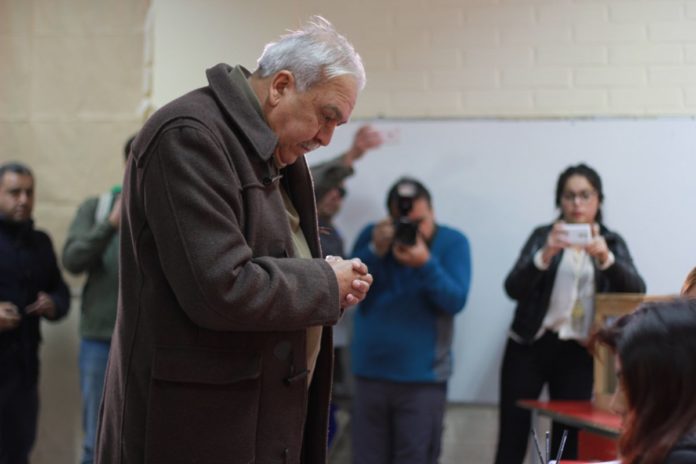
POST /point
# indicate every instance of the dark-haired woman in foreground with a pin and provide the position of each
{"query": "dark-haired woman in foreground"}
(655, 357)
(554, 283)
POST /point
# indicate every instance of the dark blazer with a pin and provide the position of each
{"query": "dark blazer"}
(27, 266)
(531, 287)
(208, 361)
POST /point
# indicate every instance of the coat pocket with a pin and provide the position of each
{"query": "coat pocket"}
(203, 406)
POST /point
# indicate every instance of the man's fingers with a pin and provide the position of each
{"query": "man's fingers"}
(360, 285)
(359, 266)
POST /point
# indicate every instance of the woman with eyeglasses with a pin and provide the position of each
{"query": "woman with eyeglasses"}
(656, 369)
(554, 282)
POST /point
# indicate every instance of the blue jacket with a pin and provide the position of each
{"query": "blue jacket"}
(27, 266)
(404, 327)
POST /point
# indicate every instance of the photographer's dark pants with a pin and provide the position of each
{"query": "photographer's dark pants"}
(565, 366)
(397, 423)
(19, 407)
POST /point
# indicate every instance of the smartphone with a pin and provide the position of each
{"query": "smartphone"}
(577, 234)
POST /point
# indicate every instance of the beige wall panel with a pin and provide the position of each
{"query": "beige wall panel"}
(15, 140)
(58, 82)
(112, 82)
(15, 76)
(15, 18)
(88, 17)
(62, 17)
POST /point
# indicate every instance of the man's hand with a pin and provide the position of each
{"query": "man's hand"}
(43, 306)
(365, 139)
(115, 215)
(383, 236)
(412, 256)
(353, 279)
(9, 316)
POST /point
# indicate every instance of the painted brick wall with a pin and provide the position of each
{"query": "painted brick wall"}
(525, 58)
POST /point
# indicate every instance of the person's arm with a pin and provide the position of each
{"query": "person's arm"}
(192, 201)
(87, 239)
(525, 275)
(330, 174)
(446, 277)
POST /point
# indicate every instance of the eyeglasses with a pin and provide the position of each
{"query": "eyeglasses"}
(581, 197)
(342, 192)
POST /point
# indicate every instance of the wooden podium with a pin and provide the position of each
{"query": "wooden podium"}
(609, 307)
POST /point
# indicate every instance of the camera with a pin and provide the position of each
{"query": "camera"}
(405, 229)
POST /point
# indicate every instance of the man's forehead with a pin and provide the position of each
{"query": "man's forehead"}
(16, 180)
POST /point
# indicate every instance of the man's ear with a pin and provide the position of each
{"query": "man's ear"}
(281, 83)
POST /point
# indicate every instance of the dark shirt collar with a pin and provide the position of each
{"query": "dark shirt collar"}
(15, 228)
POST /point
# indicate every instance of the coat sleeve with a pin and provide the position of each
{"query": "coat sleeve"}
(622, 275)
(87, 239)
(192, 200)
(525, 276)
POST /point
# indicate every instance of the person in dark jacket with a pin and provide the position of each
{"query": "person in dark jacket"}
(222, 350)
(656, 370)
(554, 283)
(31, 288)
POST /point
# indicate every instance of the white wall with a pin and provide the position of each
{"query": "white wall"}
(454, 58)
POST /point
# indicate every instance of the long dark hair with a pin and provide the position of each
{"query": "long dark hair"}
(656, 345)
(689, 282)
(589, 174)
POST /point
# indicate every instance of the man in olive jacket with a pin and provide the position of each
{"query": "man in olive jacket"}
(222, 348)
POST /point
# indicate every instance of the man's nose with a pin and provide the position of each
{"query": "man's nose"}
(325, 134)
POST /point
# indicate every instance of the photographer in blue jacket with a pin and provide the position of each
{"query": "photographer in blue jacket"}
(401, 347)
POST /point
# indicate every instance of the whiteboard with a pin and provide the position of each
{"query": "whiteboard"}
(495, 181)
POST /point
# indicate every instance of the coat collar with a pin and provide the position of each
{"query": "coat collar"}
(244, 113)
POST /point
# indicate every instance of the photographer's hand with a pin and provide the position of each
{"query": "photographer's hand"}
(383, 236)
(412, 256)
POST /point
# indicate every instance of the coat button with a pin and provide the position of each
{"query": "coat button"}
(267, 181)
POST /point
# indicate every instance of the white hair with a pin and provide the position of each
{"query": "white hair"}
(313, 54)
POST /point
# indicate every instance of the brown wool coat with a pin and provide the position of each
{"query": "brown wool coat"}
(208, 360)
